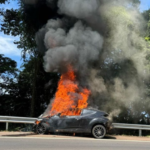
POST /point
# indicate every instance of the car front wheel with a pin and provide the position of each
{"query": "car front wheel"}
(99, 131)
(42, 128)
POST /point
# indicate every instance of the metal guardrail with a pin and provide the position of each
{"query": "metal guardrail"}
(139, 127)
(12, 119)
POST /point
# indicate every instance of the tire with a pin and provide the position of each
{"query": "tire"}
(42, 128)
(98, 131)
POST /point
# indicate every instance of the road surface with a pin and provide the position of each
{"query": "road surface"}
(28, 143)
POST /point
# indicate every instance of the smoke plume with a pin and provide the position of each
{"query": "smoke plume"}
(72, 48)
(101, 40)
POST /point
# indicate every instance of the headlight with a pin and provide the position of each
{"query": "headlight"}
(37, 122)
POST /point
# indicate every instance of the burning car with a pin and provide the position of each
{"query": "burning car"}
(90, 121)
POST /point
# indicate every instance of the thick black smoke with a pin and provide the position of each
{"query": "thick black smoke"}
(101, 40)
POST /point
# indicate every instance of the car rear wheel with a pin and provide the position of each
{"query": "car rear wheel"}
(99, 131)
(42, 128)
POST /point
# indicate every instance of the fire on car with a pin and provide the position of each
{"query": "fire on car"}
(91, 121)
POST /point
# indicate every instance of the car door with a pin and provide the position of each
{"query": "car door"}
(72, 121)
(65, 122)
(86, 117)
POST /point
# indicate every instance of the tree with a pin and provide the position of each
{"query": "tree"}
(25, 22)
(45, 86)
(7, 65)
(8, 76)
(17, 87)
(2, 1)
(146, 15)
(8, 72)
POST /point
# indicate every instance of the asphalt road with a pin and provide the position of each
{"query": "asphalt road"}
(70, 144)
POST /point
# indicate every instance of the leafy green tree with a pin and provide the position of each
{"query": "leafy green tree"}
(7, 65)
(17, 88)
(25, 22)
(8, 71)
(2, 1)
(8, 75)
(44, 86)
(146, 15)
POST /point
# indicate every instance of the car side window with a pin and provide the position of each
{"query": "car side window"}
(87, 112)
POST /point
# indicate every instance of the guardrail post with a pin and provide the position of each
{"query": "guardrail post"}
(140, 132)
(6, 126)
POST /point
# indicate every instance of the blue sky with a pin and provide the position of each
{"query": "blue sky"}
(145, 4)
(9, 49)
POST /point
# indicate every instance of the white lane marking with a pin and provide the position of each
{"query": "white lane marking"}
(86, 139)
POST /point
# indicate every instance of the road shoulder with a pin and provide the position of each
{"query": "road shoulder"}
(53, 136)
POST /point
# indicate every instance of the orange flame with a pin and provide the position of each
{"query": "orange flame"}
(69, 99)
